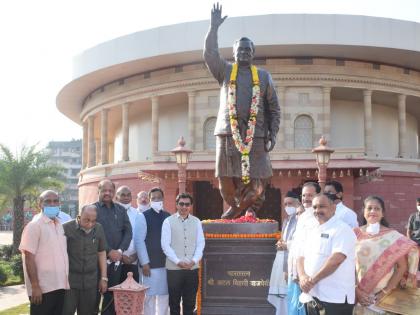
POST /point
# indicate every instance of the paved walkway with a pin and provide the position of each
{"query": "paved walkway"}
(12, 296)
(6, 237)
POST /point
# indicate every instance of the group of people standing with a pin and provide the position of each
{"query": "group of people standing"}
(69, 266)
(332, 265)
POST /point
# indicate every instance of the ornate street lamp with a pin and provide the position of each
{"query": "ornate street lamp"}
(182, 155)
(323, 153)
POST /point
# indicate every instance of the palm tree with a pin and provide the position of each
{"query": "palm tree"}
(21, 176)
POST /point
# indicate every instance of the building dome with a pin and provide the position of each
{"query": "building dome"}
(353, 79)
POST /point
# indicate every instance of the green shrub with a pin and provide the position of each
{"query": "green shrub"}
(16, 264)
(6, 252)
(3, 274)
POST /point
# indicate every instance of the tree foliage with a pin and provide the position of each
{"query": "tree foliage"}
(22, 177)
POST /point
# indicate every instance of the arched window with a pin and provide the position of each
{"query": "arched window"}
(303, 132)
(209, 138)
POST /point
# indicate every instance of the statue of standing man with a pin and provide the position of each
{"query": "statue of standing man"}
(247, 122)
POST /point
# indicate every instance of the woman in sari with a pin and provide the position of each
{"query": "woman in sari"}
(383, 258)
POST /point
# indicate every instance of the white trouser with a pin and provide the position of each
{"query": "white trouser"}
(156, 305)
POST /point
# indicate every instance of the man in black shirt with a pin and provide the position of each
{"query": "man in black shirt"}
(86, 246)
(118, 233)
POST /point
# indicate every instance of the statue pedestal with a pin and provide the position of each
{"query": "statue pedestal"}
(236, 267)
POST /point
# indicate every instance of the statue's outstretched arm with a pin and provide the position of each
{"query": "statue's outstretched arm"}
(214, 62)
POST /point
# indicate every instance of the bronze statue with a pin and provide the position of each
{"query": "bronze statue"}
(247, 122)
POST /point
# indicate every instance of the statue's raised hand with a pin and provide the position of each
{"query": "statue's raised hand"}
(216, 15)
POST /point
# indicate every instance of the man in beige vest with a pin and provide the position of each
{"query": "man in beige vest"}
(183, 244)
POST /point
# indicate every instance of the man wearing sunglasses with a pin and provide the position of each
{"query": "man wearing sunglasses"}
(183, 244)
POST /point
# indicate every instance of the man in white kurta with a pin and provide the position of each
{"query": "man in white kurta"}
(183, 243)
(147, 237)
(345, 214)
(129, 256)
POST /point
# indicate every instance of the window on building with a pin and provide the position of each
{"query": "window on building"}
(303, 132)
(209, 138)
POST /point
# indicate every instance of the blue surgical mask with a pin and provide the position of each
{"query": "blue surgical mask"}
(52, 212)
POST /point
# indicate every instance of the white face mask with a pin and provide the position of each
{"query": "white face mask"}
(156, 205)
(143, 207)
(418, 208)
(290, 210)
(126, 206)
(87, 231)
(373, 229)
(310, 209)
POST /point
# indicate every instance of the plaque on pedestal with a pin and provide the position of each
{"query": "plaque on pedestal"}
(236, 267)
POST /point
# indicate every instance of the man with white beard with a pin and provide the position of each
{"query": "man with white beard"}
(129, 257)
(143, 201)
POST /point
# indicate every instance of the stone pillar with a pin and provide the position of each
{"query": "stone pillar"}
(367, 101)
(98, 151)
(281, 137)
(191, 119)
(402, 126)
(85, 141)
(326, 99)
(104, 136)
(91, 141)
(155, 124)
(125, 132)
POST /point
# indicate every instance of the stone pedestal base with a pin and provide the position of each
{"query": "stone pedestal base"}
(235, 272)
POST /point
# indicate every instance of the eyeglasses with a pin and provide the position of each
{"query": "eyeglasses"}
(186, 204)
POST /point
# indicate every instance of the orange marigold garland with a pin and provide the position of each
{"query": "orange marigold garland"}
(199, 289)
(243, 145)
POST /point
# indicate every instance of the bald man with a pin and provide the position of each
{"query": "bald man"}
(45, 260)
(129, 257)
(114, 219)
(86, 234)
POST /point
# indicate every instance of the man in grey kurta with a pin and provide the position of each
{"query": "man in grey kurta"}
(277, 293)
(238, 195)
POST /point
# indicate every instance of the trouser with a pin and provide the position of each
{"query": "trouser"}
(84, 301)
(129, 268)
(182, 284)
(114, 276)
(318, 307)
(240, 196)
(156, 305)
(52, 304)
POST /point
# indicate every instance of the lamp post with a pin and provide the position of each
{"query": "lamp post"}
(323, 153)
(182, 155)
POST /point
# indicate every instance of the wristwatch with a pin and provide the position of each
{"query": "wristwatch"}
(105, 279)
(120, 250)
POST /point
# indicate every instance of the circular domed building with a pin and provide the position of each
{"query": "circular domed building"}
(353, 79)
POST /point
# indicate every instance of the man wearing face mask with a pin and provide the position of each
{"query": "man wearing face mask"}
(148, 231)
(116, 224)
(143, 202)
(129, 257)
(45, 259)
(86, 246)
(345, 214)
(279, 273)
(413, 227)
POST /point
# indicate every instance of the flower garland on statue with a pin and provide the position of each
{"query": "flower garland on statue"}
(243, 146)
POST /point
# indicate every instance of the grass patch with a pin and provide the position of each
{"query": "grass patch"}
(17, 310)
(11, 278)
